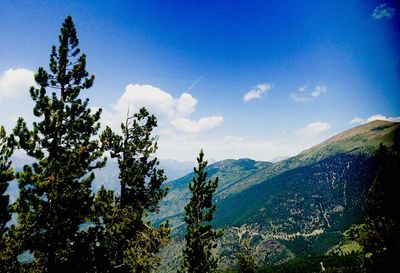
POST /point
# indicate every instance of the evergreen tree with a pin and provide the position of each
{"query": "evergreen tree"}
(55, 191)
(379, 235)
(246, 262)
(126, 241)
(200, 236)
(6, 175)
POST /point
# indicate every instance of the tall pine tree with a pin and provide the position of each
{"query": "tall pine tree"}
(55, 191)
(6, 175)
(200, 236)
(126, 242)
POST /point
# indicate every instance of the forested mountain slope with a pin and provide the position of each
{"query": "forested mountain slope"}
(295, 207)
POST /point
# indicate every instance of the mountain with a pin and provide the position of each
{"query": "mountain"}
(230, 173)
(107, 176)
(299, 206)
(175, 169)
(296, 207)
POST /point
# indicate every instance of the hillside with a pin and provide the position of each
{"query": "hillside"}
(360, 140)
(108, 176)
(295, 207)
(229, 172)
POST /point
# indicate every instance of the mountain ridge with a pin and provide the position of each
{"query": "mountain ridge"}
(298, 206)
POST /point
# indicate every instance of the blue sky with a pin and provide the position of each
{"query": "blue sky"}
(258, 79)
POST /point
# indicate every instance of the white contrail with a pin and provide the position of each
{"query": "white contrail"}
(194, 84)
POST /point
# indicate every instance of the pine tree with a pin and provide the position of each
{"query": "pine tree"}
(200, 236)
(6, 175)
(245, 260)
(246, 263)
(55, 191)
(127, 242)
(379, 235)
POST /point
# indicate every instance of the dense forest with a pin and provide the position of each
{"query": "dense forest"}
(59, 224)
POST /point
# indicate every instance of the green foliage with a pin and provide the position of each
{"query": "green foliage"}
(379, 235)
(331, 263)
(313, 245)
(124, 241)
(6, 175)
(321, 189)
(139, 176)
(55, 191)
(246, 262)
(304, 189)
(231, 174)
(200, 236)
(60, 222)
(326, 196)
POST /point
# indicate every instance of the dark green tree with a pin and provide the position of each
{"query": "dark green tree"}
(55, 191)
(126, 242)
(6, 175)
(379, 235)
(246, 262)
(200, 236)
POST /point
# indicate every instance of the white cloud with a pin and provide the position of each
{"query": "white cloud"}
(231, 139)
(233, 147)
(257, 92)
(319, 89)
(171, 111)
(303, 88)
(358, 120)
(185, 125)
(305, 95)
(180, 134)
(15, 99)
(186, 105)
(14, 83)
(383, 11)
(313, 129)
(156, 101)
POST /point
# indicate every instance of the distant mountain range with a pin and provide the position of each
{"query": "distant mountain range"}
(107, 176)
(296, 207)
(299, 206)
